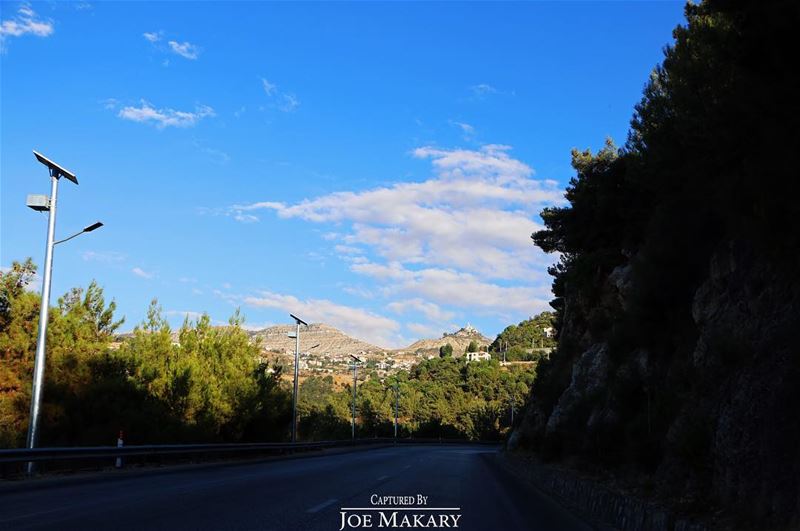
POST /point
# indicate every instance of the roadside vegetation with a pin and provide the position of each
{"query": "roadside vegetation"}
(530, 340)
(205, 383)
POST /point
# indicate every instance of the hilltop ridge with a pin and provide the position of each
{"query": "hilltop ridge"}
(328, 338)
(459, 340)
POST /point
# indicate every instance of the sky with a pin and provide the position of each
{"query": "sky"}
(378, 167)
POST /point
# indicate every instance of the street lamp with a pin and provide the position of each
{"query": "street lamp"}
(42, 203)
(298, 322)
(356, 361)
(396, 402)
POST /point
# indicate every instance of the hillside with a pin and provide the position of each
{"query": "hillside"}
(331, 340)
(459, 340)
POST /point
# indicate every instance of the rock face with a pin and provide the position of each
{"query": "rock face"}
(589, 376)
(459, 340)
(712, 407)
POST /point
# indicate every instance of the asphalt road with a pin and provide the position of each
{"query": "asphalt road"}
(304, 493)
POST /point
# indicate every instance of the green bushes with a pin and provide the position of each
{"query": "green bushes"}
(205, 383)
(440, 397)
(209, 386)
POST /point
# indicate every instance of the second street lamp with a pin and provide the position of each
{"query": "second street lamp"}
(396, 385)
(396, 403)
(356, 361)
(298, 322)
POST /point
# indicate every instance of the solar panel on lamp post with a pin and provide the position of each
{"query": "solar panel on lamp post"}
(42, 203)
(298, 322)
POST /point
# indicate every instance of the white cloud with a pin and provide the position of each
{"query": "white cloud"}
(139, 272)
(482, 89)
(461, 290)
(357, 322)
(162, 118)
(467, 130)
(283, 101)
(476, 215)
(459, 240)
(255, 327)
(185, 49)
(359, 291)
(269, 88)
(289, 103)
(348, 249)
(193, 316)
(245, 218)
(109, 103)
(465, 127)
(431, 311)
(107, 257)
(422, 331)
(153, 36)
(26, 22)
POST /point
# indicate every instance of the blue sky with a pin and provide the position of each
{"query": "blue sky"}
(375, 166)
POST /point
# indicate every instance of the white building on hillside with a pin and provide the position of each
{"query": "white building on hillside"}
(478, 356)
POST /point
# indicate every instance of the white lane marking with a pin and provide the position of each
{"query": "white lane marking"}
(382, 478)
(407, 467)
(321, 505)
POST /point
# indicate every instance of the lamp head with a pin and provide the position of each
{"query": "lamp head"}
(93, 226)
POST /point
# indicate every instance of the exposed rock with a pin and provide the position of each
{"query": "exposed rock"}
(589, 375)
(728, 391)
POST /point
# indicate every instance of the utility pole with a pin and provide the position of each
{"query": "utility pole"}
(355, 388)
(298, 322)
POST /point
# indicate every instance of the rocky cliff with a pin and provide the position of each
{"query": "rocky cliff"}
(717, 423)
(677, 293)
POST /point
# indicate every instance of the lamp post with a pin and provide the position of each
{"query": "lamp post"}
(356, 361)
(42, 203)
(298, 322)
(396, 403)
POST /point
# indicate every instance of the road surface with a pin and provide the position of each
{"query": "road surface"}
(463, 485)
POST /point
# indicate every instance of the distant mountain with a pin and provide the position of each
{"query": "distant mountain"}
(331, 341)
(459, 340)
(331, 344)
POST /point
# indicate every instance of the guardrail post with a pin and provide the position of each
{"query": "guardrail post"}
(120, 444)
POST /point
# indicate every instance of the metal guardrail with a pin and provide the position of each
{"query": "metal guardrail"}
(17, 455)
